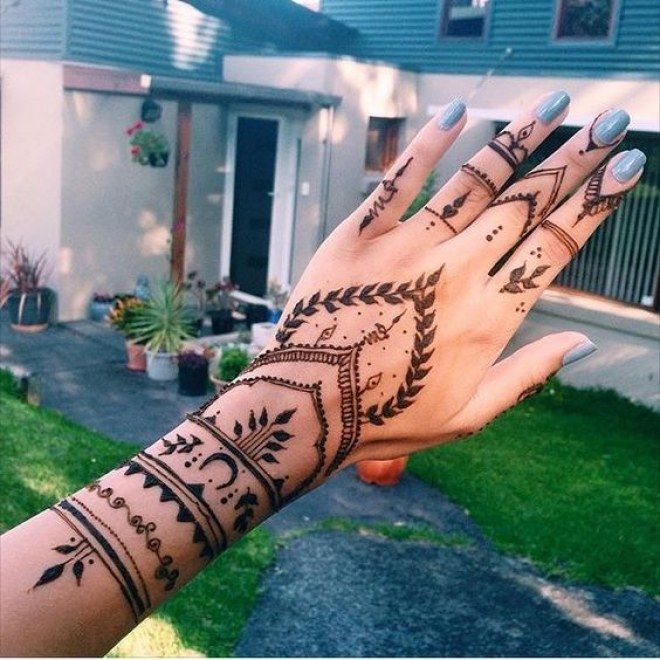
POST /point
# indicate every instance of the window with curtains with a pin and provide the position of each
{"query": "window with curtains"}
(382, 143)
(585, 20)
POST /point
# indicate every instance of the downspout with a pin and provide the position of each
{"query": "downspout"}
(325, 171)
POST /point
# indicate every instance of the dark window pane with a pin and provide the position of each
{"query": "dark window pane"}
(382, 143)
(464, 18)
(584, 19)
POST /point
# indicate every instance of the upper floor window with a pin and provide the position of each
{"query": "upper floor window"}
(585, 19)
(464, 18)
(382, 143)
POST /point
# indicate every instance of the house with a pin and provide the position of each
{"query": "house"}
(281, 119)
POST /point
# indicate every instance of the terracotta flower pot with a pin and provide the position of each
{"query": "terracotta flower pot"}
(136, 356)
(382, 473)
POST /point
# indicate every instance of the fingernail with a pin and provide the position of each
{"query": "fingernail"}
(552, 107)
(609, 127)
(452, 113)
(628, 165)
(581, 351)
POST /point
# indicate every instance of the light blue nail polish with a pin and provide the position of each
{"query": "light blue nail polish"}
(610, 126)
(549, 109)
(453, 112)
(628, 165)
(581, 351)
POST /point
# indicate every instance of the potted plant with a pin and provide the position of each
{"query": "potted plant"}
(193, 373)
(100, 306)
(148, 147)
(233, 359)
(382, 473)
(120, 319)
(28, 301)
(162, 323)
(220, 306)
(195, 288)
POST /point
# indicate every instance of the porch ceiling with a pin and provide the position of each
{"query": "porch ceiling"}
(107, 79)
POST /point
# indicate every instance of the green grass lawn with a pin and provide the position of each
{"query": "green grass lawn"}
(45, 457)
(569, 479)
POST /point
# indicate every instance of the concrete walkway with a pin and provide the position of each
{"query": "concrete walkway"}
(351, 594)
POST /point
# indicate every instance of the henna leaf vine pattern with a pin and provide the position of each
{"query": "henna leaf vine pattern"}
(518, 283)
(79, 551)
(181, 446)
(424, 301)
(369, 294)
(264, 437)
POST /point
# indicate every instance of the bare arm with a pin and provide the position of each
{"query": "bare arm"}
(388, 346)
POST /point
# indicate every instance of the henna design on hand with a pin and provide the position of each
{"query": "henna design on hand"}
(379, 204)
(557, 174)
(90, 540)
(518, 283)
(448, 211)
(181, 446)
(153, 544)
(528, 198)
(191, 505)
(562, 236)
(592, 145)
(595, 201)
(511, 147)
(245, 506)
(494, 232)
(481, 178)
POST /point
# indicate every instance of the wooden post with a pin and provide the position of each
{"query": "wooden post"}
(178, 256)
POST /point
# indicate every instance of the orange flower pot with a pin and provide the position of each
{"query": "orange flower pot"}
(382, 473)
(136, 356)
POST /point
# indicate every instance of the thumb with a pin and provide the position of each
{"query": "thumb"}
(521, 375)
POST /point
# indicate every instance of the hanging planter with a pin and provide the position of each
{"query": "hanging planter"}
(148, 147)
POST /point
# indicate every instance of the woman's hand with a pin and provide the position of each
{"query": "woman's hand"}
(398, 326)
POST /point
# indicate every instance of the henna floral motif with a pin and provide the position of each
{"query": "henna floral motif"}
(378, 206)
(448, 211)
(510, 147)
(518, 283)
(595, 201)
(181, 446)
(245, 506)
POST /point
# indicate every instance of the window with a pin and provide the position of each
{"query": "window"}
(464, 18)
(585, 19)
(382, 143)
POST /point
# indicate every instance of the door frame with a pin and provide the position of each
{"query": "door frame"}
(284, 189)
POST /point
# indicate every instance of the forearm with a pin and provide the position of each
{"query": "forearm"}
(77, 577)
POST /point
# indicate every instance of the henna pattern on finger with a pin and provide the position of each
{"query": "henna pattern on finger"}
(557, 175)
(531, 199)
(448, 211)
(494, 232)
(592, 145)
(595, 202)
(562, 236)
(510, 147)
(152, 543)
(518, 283)
(480, 177)
(379, 204)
